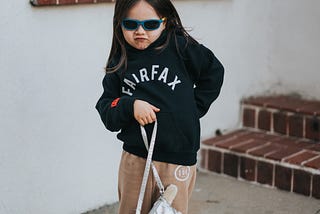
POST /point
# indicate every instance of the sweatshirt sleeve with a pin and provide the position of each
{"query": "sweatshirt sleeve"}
(207, 73)
(115, 110)
(209, 82)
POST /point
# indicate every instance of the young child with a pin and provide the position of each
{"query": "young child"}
(156, 71)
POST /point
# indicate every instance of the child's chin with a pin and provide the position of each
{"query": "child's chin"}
(141, 46)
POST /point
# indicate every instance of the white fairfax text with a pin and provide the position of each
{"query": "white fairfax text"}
(154, 74)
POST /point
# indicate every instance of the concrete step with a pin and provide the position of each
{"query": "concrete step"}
(218, 194)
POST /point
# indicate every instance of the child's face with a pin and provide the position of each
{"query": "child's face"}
(140, 38)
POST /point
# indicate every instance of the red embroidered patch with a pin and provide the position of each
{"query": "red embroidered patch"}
(115, 102)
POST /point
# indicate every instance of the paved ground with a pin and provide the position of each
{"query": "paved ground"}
(216, 194)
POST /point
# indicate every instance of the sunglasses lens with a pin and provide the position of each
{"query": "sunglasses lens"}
(130, 24)
(152, 24)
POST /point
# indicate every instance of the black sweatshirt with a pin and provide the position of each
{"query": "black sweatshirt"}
(183, 85)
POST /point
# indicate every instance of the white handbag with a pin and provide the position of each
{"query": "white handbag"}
(163, 204)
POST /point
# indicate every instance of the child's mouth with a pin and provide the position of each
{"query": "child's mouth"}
(140, 39)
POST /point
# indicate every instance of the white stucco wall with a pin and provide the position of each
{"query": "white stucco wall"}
(266, 46)
(55, 155)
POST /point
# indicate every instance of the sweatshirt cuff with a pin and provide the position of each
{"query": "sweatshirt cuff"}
(127, 103)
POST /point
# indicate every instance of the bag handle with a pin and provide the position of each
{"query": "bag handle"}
(154, 170)
(148, 164)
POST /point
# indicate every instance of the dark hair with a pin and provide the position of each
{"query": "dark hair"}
(164, 8)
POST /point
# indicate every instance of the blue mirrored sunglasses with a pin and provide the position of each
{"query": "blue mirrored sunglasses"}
(150, 24)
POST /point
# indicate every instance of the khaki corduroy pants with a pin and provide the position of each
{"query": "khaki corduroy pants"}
(130, 177)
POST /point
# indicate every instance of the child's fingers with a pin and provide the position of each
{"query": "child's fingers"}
(144, 112)
(150, 119)
(142, 122)
(155, 108)
(153, 116)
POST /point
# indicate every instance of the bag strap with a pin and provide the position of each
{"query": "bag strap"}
(148, 164)
(154, 170)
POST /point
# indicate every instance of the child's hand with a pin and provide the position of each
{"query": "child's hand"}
(144, 112)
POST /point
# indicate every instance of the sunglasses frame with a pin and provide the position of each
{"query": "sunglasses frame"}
(142, 23)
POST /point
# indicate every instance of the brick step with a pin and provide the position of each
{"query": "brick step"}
(283, 162)
(282, 114)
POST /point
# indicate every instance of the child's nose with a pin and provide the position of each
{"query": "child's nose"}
(140, 29)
